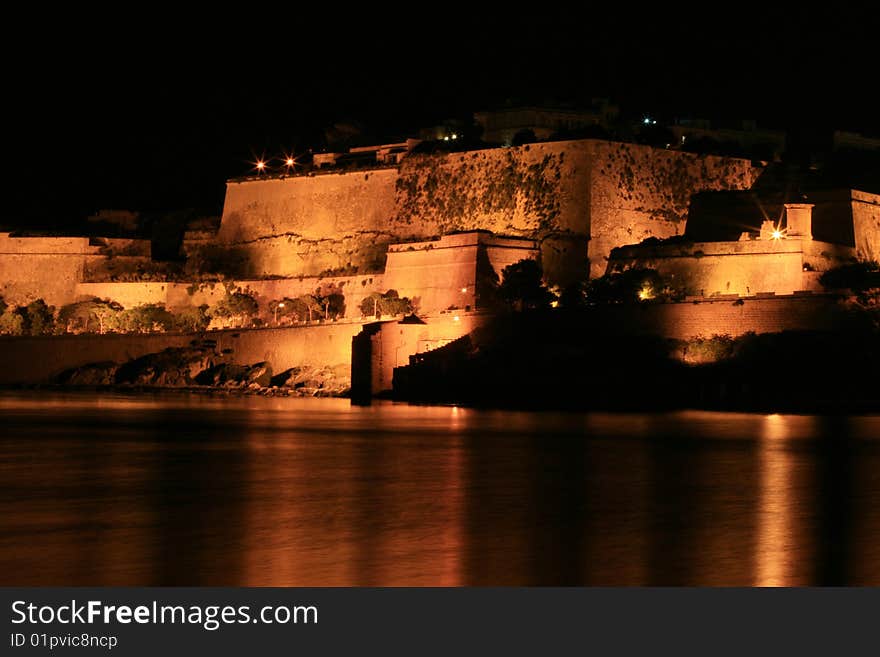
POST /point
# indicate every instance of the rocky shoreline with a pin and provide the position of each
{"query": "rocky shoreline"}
(200, 367)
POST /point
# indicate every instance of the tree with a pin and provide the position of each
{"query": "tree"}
(236, 305)
(522, 286)
(308, 306)
(631, 286)
(193, 319)
(147, 318)
(858, 277)
(11, 323)
(89, 314)
(334, 305)
(37, 318)
(389, 303)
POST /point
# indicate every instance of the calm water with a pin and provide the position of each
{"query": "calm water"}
(193, 490)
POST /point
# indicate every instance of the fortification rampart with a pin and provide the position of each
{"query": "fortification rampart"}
(36, 360)
(742, 268)
(304, 225)
(732, 317)
(36, 267)
(866, 224)
(560, 193)
(638, 192)
(176, 296)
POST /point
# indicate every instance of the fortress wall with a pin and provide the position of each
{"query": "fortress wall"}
(709, 268)
(561, 193)
(32, 360)
(184, 295)
(303, 225)
(725, 316)
(53, 278)
(39, 359)
(128, 295)
(44, 245)
(537, 190)
(866, 224)
(638, 192)
(40, 267)
(435, 277)
(394, 343)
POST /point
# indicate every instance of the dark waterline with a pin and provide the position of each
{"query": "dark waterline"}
(195, 490)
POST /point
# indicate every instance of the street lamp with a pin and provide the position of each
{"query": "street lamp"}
(280, 305)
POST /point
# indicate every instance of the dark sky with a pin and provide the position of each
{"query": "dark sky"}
(154, 114)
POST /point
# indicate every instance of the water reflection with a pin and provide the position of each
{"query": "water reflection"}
(192, 490)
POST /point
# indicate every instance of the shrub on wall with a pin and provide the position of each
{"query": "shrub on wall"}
(857, 277)
(192, 320)
(147, 318)
(389, 303)
(237, 307)
(522, 286)
(89, 315)
(11, 323)
(631, 286)
(37, 318)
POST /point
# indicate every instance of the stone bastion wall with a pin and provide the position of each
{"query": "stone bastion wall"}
(564, 194)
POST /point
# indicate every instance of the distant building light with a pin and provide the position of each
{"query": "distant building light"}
(456, 318)
(289, 162)
(464, 289)
(454, 136)
(260, 165)
(446, 138)
(647, 120)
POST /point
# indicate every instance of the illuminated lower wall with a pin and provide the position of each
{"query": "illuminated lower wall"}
(706, 318)
(866, 224)
(31, 360)
(394, 342)
(741, 268)
(443, 273)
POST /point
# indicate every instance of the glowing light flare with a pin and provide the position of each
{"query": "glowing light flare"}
(289, 162)
(646, 293)
(464, 290)
(260, 165)
(776, 234)
(456, 318)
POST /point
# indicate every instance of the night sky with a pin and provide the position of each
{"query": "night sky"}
(154, 115)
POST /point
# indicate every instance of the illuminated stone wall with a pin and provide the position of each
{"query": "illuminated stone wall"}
(443, 274)
(176, 296)
(638, 192)
(306, 225)
(725, 316)
(561, 193)
(394, 342)
(866, 224)
(739, 268)
(35, 267)
(40, 359)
